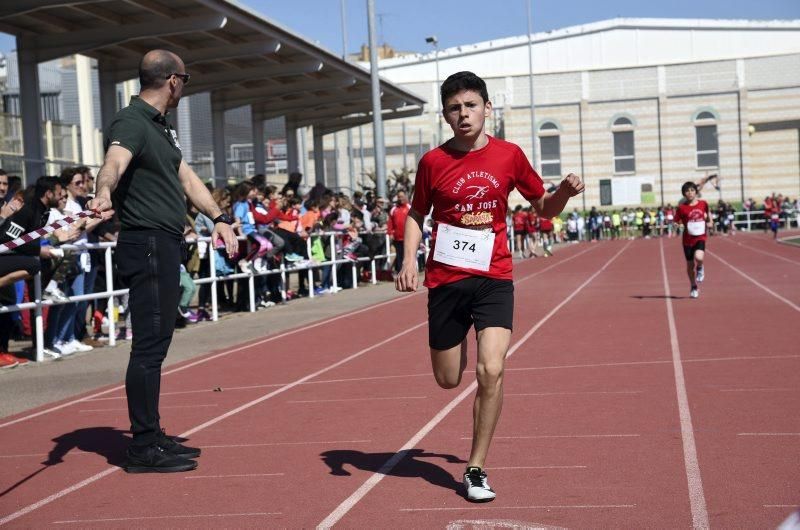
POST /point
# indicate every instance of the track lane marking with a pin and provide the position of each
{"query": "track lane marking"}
(346, 505)
(755, 282)
(697, 498)
(103, 474)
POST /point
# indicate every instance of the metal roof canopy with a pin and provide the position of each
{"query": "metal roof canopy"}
(238, 55)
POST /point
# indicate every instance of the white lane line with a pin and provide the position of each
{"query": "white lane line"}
(357, 399)
(160, 407)
(759, 390)
(742, 358)
(588, 393)
(198, 391)
(248, 475)
(591, 365)
(770, 254)
(781, 505)
(210, 358)
(345, 380)
(346, 505)
(768, 434)
(544, 436)
(757, 283)
(273, 444)
(534, 467)
(154, 517)
(102, 474)
(540, 507)
(697, 498)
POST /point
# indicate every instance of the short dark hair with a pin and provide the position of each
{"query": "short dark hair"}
(463, 81)
(154, 68)
(45, 184)
(688, 186)
(67, 174)
(241, 191)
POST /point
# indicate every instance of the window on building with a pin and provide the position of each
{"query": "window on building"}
(705, 126)
(624, 152)
(550, 149)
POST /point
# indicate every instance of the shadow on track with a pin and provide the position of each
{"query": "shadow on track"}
(658, 297)
(409, 467)
(108, 442)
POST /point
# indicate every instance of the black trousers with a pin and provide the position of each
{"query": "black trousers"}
(398, 260)
(149, 265)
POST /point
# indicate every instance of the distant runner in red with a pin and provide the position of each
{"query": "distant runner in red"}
(469, 271)
(695, 217)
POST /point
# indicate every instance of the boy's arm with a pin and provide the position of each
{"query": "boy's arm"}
(552, 204)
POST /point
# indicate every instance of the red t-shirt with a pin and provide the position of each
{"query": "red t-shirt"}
(692, 214)
(520, 220)
(471, 190)
(532, 222)
(545, 225)
(396, 225)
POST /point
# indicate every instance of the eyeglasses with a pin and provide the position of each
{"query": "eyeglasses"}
(184, 77)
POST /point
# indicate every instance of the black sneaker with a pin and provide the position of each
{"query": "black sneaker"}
(154, 459)
(477, 485)
(174, 448)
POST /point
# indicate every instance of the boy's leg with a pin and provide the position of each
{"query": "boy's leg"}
(492, 348)
(448, 365)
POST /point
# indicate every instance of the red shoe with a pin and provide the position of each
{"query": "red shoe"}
(8, 361)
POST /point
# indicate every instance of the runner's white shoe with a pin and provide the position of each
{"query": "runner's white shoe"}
(694, 293)
(701, 274)
(477, 485)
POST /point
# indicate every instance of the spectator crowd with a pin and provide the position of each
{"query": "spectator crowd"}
(284, 234)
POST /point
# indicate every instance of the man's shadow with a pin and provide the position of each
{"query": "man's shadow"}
(107, 442)
(409, 465)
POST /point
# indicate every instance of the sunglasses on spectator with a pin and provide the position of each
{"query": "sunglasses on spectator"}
(184, 77)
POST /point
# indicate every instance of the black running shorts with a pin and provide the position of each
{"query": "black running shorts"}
(454, 307)
(689, 251)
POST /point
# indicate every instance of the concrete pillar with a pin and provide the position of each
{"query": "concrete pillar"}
(83, 70)
(351, 170)
(108, 95)
(337, 182)
(319, 157)
(259, 157)
(292, 150)
(31, 110)
(303, 168)
(218, 141)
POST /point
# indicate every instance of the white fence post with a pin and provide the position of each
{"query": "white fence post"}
(310, 270)
(112, 335)
(334, 276)
(212, 266)
(39, 324)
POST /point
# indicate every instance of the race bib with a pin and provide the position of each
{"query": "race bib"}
(696, 228)
(462, 247)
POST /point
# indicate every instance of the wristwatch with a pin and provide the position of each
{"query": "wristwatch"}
(223, 218)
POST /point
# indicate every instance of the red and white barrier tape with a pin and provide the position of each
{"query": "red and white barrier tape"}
(47, 229)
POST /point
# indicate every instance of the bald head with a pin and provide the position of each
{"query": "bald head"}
(156, 66)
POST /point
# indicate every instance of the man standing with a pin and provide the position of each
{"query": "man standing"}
(144, 170)
(396, 227)
(466, 181)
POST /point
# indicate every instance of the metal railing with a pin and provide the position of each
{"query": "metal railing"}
(109, 294)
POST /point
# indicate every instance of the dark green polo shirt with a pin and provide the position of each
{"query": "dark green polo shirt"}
(149, 195)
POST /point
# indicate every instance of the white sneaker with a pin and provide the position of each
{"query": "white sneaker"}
(55, 295)
(63, 348)
(260, 265)
(50, 354)
(694, 293)
(245, 266)
(76, 345)
(701, 274)
(477, 485)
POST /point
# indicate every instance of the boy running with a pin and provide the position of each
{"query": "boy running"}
(469, 271)
(695, 217)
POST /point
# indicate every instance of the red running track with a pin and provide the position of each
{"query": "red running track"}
(627, 405)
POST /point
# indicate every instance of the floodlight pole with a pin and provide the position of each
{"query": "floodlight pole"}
(350, 168)
(377, 120)
(530, 86)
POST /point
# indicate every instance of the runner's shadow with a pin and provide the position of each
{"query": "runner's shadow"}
(107, 442)
(409, 466)
(659, 297)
